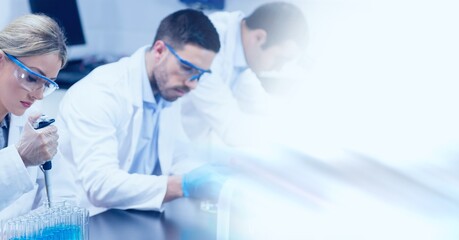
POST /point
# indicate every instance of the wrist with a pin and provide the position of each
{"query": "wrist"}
(20, 153)
(174, 188)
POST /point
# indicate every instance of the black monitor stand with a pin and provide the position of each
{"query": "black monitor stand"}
(73, 71)
(67, 15)
(76, 69)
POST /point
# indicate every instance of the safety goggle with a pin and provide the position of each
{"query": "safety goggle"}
(31, 80)
(193, 70)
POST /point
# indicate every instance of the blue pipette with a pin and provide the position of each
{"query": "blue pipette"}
(41, 122)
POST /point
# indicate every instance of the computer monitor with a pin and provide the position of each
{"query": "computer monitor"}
(205, 4)
(66, 14)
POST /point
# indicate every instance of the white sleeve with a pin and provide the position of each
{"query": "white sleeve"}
(183, 160)
(215, 105)
(14, 177)
(92, 125)
(173, 134)
(251, 95)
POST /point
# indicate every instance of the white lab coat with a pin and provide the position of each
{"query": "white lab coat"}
(21, 187)
(222, 107)
(100, 121)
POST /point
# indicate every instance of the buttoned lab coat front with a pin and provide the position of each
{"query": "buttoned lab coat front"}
(21, 187)
(100, 121)
(223, 102)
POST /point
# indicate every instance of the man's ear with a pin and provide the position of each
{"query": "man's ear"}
(158, 49)
(260, 36)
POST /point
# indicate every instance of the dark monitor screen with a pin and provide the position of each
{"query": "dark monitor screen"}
(205, 4)
(65, 12)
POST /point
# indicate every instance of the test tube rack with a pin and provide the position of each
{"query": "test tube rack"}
(57, 222)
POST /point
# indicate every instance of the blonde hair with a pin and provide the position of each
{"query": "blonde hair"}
(32, 35)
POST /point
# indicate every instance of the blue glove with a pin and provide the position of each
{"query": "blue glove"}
(205, 182)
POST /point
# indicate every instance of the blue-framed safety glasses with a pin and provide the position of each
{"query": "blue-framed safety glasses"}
(194, 71)
(31, 80)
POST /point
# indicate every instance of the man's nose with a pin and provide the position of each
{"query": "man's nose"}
(279, 65)
(191, 84)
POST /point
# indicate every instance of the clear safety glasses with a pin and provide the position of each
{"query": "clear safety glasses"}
(31, 80)
(188, 68)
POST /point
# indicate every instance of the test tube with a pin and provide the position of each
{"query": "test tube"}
(61, 221)
(2, 229)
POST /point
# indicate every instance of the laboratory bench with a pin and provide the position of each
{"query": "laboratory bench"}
(181, 219)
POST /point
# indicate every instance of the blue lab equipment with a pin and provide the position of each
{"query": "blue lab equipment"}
(205, 182)
(41, 122)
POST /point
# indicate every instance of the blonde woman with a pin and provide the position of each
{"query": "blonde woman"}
(32, 51)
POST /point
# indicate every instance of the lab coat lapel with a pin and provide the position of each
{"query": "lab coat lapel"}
(137, 66)
(167, 124)
(227, 25)
(136, 128)
(16, 126)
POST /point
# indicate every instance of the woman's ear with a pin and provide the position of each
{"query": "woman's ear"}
(2, 57)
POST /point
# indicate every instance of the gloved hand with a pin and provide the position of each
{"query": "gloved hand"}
(37, 146)
(205, 182)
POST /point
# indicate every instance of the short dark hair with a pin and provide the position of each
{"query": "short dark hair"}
(281, 21)
(188, 26)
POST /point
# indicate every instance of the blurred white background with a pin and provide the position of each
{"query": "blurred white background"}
(379, 77)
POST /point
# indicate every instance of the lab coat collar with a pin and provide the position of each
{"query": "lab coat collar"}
(17, 122)
(5, 121)
(239, 56)
(137, 72)
(147, 93)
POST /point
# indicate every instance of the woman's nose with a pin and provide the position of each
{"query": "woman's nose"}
(36, 94)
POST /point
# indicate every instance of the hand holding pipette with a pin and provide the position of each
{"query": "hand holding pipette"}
(37, 145)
